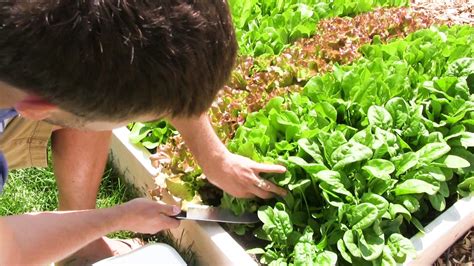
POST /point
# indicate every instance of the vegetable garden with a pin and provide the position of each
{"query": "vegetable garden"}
(370, 106)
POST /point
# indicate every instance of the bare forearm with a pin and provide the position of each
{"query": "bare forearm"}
(200, 138)
(47, 237)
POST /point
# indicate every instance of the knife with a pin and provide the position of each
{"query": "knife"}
(216, 214)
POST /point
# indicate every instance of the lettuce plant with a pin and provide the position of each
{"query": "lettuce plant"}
(371, 149)
(266, 27)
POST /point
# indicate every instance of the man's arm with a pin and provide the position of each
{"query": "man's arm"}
(235, 174)
(41, 238)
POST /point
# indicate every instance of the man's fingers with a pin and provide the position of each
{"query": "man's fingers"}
(269, 186)
(169, 210)
(265, 184)
(246, 195)
(166, 211)
(269, 168)
(242, 192)
(168, 222)
(263, 194)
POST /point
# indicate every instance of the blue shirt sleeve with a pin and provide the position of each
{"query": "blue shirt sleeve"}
(4, 114)
(3, 171)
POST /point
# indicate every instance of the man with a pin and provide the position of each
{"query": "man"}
(68, 66)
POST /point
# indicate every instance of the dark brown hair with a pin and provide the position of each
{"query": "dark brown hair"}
(114, 59)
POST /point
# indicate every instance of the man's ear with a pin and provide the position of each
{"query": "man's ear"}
(35, 108)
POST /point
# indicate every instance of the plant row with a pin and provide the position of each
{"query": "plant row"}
(267, 27)
(373, 150)
(256, 80)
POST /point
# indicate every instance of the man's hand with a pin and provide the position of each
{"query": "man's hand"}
(61, 233)
(235, 174)
(239, 176)
(147, 216)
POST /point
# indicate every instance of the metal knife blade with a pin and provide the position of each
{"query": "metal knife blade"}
(215, 214)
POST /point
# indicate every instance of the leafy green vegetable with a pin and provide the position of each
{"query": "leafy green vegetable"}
(379, 168)
(179, 188)
(414, 186)
(400, 248)
(151, 134)
(379, 117)
(369, 148)
(266, 27)
(362, 216)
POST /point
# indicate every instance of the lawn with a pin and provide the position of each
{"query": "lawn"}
(35, 189)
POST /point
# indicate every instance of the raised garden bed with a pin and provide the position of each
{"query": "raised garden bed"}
(443, 232)
(390, 137)
(214, 246)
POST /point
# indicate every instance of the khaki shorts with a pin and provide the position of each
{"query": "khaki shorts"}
(25, 142)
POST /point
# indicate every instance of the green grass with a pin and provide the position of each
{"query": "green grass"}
(29, 190)
(35, 189)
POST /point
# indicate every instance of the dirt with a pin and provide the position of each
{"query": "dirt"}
(210, 194)
(461, 253)
(448, 12)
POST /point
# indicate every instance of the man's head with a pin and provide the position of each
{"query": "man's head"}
(116, 60)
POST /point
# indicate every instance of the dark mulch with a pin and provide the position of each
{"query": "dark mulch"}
(461, 253)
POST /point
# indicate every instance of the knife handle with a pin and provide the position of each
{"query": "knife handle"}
(181, 216)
